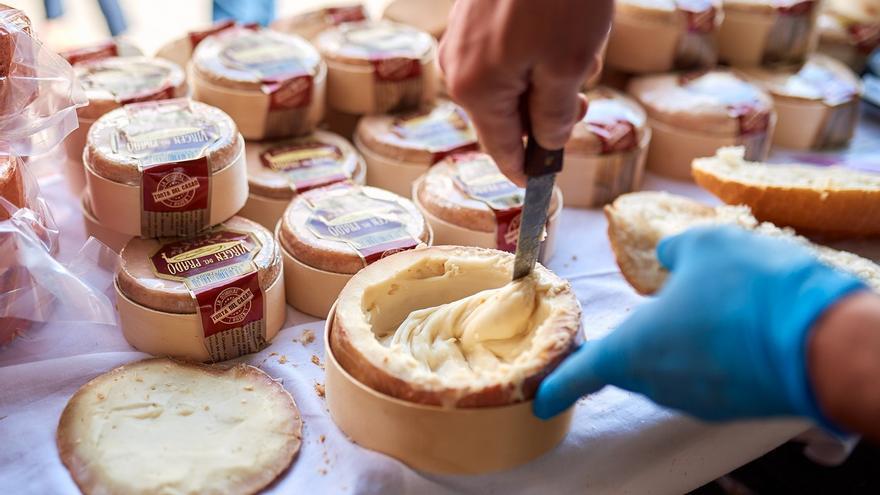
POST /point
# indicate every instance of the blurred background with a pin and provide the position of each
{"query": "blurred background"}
(63, 24)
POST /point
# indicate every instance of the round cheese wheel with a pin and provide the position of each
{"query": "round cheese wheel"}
(344, 227)
(714, 102)
(821, 78)
(244, 58)
(108, 155)
(283, 168)
(422, 137)
(138, 276)
(115, 81)
(446, 326)
(199, 428)
(464, 188)
(365, 43)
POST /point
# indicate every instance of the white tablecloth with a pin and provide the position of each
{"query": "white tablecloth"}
(620, 443)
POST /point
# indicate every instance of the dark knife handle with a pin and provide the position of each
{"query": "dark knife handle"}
(541, 161)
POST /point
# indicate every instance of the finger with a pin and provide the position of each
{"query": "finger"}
(669, 250)
(573, 379)
(553, 106)
(500, 132)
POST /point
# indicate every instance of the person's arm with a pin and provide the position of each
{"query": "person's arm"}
(746, 326)
(512, 63)
(844, 364)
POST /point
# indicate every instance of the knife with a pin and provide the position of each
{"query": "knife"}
(541, 166)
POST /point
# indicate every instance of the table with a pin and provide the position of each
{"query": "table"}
(620, 442)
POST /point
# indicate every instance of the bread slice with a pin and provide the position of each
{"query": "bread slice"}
(827, 201)
(163, 426)
(638, 221)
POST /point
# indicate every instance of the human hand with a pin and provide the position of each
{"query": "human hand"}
(726, 337)
(517, 63)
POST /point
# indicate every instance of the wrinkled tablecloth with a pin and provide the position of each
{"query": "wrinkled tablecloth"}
(619, 443)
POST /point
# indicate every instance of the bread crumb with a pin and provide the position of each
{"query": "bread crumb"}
(322, 438)
(322, 471)
(317, 361)
(273, 353)
(574, 257)
(282, 359)
(101, 396)
(308, 336)
(319, 389)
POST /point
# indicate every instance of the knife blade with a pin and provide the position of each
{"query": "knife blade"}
(541, 166)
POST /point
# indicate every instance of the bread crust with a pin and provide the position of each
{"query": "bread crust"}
(826, 213)
(565, 323)
(89, 482)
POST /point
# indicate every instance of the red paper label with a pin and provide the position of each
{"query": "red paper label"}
(175, 175)
(196, 37)
(338, 15)
(395, 69)
(444, 130)
(610, 120)
(288, 92)
(865, 36)
(699, 14)
(217, 268)
(219, 248)
(374, 227)
(89, 53)
(478, 177)
(307, 164)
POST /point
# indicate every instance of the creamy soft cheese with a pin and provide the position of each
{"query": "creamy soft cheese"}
(472, 334)
(167, 428)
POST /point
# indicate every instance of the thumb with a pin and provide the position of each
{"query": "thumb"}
(554, 104)
(670, 250)
(574, 378)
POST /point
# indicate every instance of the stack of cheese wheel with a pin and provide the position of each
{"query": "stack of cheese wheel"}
(605, 155)
(469, 202)
(817, 104)
(376, 67)
(692, 115)
(328, 234)
(271, 84)
(309, 24)
(212, 296)
(110, 83)
(766, 32)
(281, 169)
(164, 168)
(438, 347)
(400, 148)
(849, 30)
(662, 35)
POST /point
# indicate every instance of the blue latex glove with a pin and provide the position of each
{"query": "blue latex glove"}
(725, 338)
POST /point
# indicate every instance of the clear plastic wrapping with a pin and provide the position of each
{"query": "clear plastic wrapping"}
(34, 286)
(38, 101)
(39, 94)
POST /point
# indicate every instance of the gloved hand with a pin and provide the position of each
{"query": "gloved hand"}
(726, 337)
